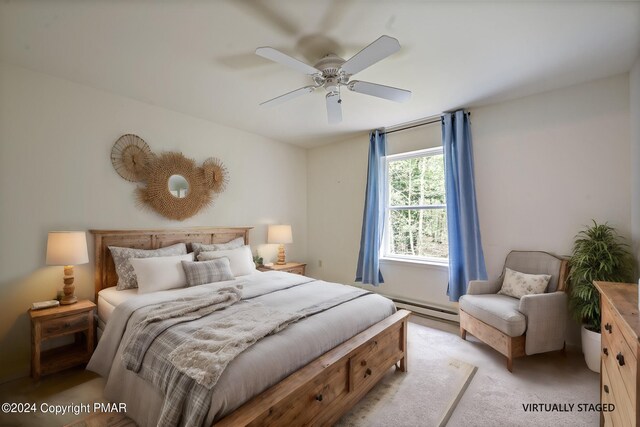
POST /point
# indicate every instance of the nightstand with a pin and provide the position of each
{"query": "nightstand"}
(74, 319)
(290, 267)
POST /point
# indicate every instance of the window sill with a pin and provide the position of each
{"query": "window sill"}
(415, 262)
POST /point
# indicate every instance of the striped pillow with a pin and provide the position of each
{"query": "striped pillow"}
(199, 273)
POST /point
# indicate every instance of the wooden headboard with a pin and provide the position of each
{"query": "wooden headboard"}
(105, 273)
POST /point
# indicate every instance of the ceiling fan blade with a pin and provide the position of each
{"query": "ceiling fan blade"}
(290, 95)
(376, 51)
(268, 13)
(334, 107)
(381, 91)
(284, 59)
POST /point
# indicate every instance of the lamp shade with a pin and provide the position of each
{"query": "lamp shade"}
(279, 234)
(67, 248)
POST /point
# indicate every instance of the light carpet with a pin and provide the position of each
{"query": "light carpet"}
(496, 397)
(426, 395)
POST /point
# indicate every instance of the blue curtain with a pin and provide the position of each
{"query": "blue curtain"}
(466, 260)
(368, 270)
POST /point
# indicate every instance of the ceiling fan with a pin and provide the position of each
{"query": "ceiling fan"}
(333, 72)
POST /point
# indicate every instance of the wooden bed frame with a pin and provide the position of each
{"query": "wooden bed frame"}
(318, 393)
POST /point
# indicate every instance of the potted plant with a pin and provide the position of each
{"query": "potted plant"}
(598, 254)
(258, 261)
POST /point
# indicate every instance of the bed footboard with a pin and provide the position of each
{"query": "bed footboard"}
(324, 390)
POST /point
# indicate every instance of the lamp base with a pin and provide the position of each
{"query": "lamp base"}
(68, 300)
(281, 260)
(68, 288)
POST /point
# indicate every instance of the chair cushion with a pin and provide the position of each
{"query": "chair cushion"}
(499, 311)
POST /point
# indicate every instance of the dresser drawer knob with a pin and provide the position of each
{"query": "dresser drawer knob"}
(620, 358)
(605, 351)
(608, 327)
(319, 397)
(367, 372)
(67, 324)
(606, 389)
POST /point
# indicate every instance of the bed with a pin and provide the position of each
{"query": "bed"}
(277, 381)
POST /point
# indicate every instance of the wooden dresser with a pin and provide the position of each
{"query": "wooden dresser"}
(619, 358)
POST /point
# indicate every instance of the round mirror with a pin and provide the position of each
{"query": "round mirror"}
(178, 186)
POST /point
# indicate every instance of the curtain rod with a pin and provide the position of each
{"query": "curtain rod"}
(406, 126)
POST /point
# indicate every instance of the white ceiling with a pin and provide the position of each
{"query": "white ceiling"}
(197, 57)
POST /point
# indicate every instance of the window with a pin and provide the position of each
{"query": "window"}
(416, 216)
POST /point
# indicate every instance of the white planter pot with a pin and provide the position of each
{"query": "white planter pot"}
(591, 347)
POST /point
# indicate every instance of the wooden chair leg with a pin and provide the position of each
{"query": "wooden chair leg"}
(463, 333)
(510, 355)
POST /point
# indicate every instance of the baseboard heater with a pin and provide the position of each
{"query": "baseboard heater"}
(426, 309)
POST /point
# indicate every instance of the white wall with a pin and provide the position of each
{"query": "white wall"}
(634, 98)
(545, 166)
(548, 164)
(56, 173)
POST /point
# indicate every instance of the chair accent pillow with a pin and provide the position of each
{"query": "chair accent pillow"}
(126, 274)
(160, 273)
(201, 247)
(199, 273)
(240, 259)
(517, 285)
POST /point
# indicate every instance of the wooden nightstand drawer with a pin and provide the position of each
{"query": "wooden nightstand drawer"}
(74, 320)
(297, 270)
(66, 325)
(290, 267)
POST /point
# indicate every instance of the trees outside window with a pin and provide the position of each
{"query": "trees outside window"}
(416, 214)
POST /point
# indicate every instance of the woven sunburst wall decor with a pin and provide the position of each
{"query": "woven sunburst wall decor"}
(158, 196)
(215, 174)
(176, 187)
(129, 157)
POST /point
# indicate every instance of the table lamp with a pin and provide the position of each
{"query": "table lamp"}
(280, 234)
(67, 248)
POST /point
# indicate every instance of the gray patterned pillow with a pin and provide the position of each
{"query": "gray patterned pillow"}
(124, 269)
(199, 273)
(201, 247)
(517, 285)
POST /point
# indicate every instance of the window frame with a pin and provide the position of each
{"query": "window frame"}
(385, 250)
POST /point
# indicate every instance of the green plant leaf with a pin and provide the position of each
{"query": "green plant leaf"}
(598, 254)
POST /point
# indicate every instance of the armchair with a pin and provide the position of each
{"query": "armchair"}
(518, 327)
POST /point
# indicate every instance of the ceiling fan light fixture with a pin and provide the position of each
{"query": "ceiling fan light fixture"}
(334, 107)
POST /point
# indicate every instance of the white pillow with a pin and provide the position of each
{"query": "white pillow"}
(160, 273)
(517, 285)
(241, 259)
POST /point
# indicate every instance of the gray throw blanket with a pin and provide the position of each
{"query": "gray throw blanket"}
(164, 315)
(186, 361)
(205, 356)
